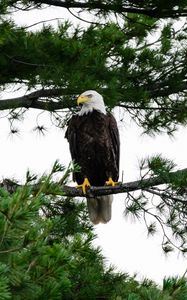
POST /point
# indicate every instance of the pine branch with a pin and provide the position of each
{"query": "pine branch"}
(41, 99)
(68, 191)
(117, 8)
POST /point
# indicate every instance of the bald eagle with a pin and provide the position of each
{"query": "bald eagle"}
(94, 145)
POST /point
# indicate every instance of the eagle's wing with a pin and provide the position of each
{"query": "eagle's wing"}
(71, 135)
(114, 134)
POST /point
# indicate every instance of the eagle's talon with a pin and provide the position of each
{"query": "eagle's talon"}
(84, 185)
(111, 182)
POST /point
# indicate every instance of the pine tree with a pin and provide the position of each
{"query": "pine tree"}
(134, 54)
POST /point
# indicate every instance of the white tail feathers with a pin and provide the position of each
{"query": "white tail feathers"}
(100, 209)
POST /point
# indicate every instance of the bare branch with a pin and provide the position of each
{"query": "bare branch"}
(32, 100)
(164, 195)
(42, 22)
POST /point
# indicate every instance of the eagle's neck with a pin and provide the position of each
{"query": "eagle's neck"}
(88, 108)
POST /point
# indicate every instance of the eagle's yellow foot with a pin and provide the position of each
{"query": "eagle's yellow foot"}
(84, 185)
(111, 182)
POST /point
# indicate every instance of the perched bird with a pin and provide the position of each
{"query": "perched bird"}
(94, 145)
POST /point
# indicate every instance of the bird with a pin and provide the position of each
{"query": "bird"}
(94, 144)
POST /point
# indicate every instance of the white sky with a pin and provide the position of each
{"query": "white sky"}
(124, 243)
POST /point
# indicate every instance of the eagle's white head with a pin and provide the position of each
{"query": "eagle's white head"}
(91, 100)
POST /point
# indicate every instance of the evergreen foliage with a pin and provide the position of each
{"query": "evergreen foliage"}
(46, 252)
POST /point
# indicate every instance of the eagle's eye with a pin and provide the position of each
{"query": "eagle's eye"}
(89, 96)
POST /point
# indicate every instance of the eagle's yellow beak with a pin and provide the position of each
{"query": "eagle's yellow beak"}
(82, 99)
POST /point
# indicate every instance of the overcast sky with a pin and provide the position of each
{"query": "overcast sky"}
(124, 243)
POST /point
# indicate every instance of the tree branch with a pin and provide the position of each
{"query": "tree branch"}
(33, 100)
(93, 191)
(118, 8)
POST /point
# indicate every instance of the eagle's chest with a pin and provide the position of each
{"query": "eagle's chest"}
(92, 132)
(92, 137)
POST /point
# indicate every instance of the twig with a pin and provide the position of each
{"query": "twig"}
(42, 22)
(165, 195)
